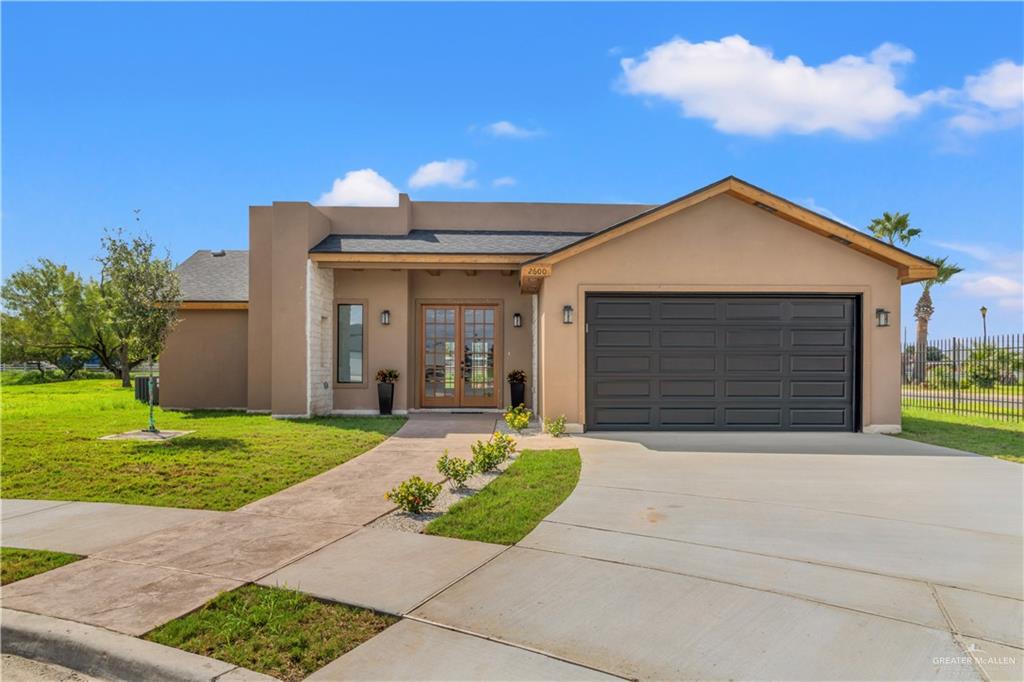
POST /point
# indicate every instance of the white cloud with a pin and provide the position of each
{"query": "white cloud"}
(991, 100)
(450, 173)
(743, 88)
(504, 181)
(364, 187)
(509, 129)
(1001, 276)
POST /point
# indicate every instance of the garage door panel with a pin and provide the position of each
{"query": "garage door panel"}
(753, 363)
(816, 310)
(675, 310)
(688, 338)
(753, 338)
(623, 389)
(819, 363)
(619, 364)
(688, 389)
(753, 389)
(802, 338)
(818, 389)
(753, 311)
(816, 418)
(624, 338)
(684, 364)
(687, 416)
(707, 362)
(623, 310)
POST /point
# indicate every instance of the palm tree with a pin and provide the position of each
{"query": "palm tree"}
(894, 227)
(923, 312)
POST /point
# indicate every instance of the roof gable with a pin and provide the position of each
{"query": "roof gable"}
(911, 268)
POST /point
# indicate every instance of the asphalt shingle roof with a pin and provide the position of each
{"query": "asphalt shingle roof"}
(519, 242)
(206, 277)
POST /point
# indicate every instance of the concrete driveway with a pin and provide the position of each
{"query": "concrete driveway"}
(764, 556)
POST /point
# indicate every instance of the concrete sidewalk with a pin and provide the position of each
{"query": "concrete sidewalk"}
(149, 565)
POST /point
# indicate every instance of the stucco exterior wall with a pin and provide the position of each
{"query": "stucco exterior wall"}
(385, 347)
(204, 364)
(722, 246)
(261, 224)
(487, 286)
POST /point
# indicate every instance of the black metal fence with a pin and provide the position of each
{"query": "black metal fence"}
(980, 376)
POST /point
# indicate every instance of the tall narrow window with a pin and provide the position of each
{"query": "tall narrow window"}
(350, 343)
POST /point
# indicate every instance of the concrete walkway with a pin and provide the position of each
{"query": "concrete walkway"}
(149, 565)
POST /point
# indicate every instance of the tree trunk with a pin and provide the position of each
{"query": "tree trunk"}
(39, 367)
(126, 370)
(923, 312)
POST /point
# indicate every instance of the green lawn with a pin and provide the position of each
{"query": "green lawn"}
(51, 449)
(515, 502)
(274, 631)
(18, 564)
(983, 435)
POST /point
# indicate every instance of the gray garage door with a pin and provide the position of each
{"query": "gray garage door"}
(719, 362)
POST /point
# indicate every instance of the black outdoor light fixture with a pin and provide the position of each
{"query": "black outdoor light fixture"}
(882, 317)
(385, 317)
(517, 320)
(567, 314)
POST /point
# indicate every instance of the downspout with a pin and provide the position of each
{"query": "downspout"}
(536, 362)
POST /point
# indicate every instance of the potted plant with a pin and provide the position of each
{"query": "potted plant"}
(517, 384)
(386, 379)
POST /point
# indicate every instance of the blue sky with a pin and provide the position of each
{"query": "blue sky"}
(192, 112)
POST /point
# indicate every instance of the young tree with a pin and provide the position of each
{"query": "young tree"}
(893, 227)
(141, 294)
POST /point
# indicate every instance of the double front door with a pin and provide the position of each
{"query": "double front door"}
(457, 355)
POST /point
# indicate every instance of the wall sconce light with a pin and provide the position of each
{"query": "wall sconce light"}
(567, 314)
(385, 317)
(517, 320)
(882, 317)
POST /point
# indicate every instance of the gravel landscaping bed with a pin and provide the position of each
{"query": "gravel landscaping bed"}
(415, 523)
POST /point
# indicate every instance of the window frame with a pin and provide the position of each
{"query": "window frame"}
(336, 350)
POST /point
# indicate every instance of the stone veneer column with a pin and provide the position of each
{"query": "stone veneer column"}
(319, 300)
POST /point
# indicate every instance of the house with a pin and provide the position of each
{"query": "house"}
(727, 308)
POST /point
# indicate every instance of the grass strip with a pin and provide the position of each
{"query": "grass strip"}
(271, 630)
(515, 502)
(983, 435)
(18, 564)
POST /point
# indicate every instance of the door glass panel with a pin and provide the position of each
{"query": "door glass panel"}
(478, 351)
(440, 363)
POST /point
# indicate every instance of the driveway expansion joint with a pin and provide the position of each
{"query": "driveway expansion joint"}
(775, 556)
(515, 645)
(794, 506)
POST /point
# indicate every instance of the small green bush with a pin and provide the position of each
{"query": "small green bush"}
(458, 470)
(556, 426)
(488, 455)
(943, 377)
(504, 442)
(518, 417)
(415, 495)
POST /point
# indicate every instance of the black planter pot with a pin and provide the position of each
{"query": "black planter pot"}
(518, 393)
(385, 397)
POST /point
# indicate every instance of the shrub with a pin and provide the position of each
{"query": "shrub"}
(942, 377)
(518, 417)
(504, 442)
(517, 376)
(415, 495)
(387, 376)
(556, 426)
(458, 470)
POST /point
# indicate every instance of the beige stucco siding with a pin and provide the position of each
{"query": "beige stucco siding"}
(385, 347)
(722, 245)
(261, 224)
(205, 362)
